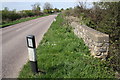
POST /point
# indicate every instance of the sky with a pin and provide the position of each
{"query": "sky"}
(47, 0)
(26, 4)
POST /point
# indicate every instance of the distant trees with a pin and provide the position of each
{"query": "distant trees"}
(27, 13)
(8, 15)
(62, 9)
(47, 7)
(11, 15)
(36, 8)
(56, 10)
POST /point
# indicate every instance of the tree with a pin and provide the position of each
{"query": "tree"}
(56, 10)
(6, 9)
(82, 5)
(62, 9)
(36, 8)
(47, 7)
(5, 14)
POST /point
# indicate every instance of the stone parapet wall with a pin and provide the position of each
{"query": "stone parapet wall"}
(97, 42)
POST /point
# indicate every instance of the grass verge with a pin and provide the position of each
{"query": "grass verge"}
(61, 54)
(20, 20)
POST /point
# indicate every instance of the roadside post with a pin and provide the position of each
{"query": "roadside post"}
(54, 19)
(32, 53)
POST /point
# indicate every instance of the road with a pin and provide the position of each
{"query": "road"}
(14, 46)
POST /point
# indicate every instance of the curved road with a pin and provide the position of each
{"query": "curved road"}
(14, 48)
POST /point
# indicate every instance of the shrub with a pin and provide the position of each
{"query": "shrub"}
(104, 17)
(8, 16)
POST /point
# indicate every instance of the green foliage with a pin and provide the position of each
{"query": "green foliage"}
(56, 10)
(62, 9)
(36, 7)
(49, 11)
(48, 8)
(68, 12)
(19, 21)
(108, 22)
(29, 12)
(104, 17)
(8, 16)
(61, 54)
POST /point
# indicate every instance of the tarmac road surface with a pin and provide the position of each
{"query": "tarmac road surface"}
(14, 46)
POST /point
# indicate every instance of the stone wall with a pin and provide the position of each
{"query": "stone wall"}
(97, 42)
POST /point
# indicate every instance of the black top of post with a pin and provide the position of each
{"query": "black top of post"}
(31, 41)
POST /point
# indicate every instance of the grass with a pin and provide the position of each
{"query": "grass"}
(61, 54)
(20, 20)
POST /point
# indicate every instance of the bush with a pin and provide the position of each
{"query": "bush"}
(8, 16)
(104, 17)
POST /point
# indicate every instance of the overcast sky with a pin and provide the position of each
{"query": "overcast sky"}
(48, 0)
(26, 4)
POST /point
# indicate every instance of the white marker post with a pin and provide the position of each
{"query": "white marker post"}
(32, 53)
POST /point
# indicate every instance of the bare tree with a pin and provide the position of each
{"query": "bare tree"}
(82, 5)
(47, 6)
(36, 7)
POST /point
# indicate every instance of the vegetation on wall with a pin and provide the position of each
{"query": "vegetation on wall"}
(104, 17)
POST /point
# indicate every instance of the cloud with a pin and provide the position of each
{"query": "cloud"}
(38, 0)
(48, 0)
(59, 0)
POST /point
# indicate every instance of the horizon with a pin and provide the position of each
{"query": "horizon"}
(27, 5)
(18, 6)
